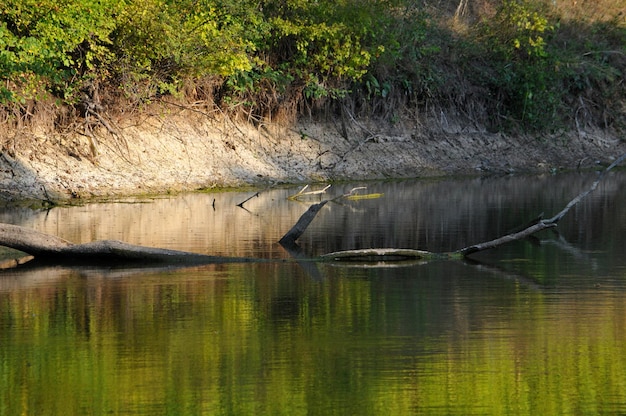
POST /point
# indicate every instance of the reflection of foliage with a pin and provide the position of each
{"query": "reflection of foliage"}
(230, 340)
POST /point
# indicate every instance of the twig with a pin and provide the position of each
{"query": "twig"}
(302, 193)
(353, 190)
(190, 108)
(114, 132)
(240, 205)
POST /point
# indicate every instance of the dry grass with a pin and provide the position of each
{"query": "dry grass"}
(589, 11)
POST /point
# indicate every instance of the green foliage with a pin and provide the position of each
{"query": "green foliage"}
(307, 51)
(315, 49)
(531, 94)
(523, 74)
(592, 63)
(404, 71)
(162, 42)
(45, 45)
(270, 56)
(538, 72)
(519, 28)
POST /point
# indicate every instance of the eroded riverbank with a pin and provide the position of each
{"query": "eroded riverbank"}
(164, 152)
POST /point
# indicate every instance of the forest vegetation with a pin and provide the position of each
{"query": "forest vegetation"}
(502, 64)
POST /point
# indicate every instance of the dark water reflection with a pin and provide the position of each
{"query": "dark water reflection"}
(535, 327)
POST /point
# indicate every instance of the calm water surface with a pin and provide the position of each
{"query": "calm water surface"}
(537, 327)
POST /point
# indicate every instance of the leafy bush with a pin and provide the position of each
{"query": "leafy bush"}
(306, 51)
(544, 72)
(405, 68)
(46, 46)
(523, 77)
(270, 57)
(161, 44)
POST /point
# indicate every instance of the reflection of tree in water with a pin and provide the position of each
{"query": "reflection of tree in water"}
(264, 336)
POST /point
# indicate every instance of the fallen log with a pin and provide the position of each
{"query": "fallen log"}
(49, 248)
(31, 241)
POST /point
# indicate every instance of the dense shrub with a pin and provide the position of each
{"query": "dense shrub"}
(536, 66)
(49, 46)
(160, 44)
(526, 78)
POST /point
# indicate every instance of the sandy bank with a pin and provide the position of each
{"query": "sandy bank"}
(172, 152)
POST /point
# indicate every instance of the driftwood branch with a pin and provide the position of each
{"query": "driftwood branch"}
(584, 194)
(302, 193)
(536, 225)
(240, 205)
(541, 224)
(256, 194)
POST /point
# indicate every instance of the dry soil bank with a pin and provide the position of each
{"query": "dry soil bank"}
(164, 152)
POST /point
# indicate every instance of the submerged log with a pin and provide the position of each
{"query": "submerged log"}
(301, 225)
(382, 254)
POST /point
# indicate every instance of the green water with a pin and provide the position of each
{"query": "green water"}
(534, 328)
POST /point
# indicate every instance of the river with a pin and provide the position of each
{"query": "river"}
(536, 327)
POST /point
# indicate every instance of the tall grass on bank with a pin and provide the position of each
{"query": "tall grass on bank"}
(501, 64)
